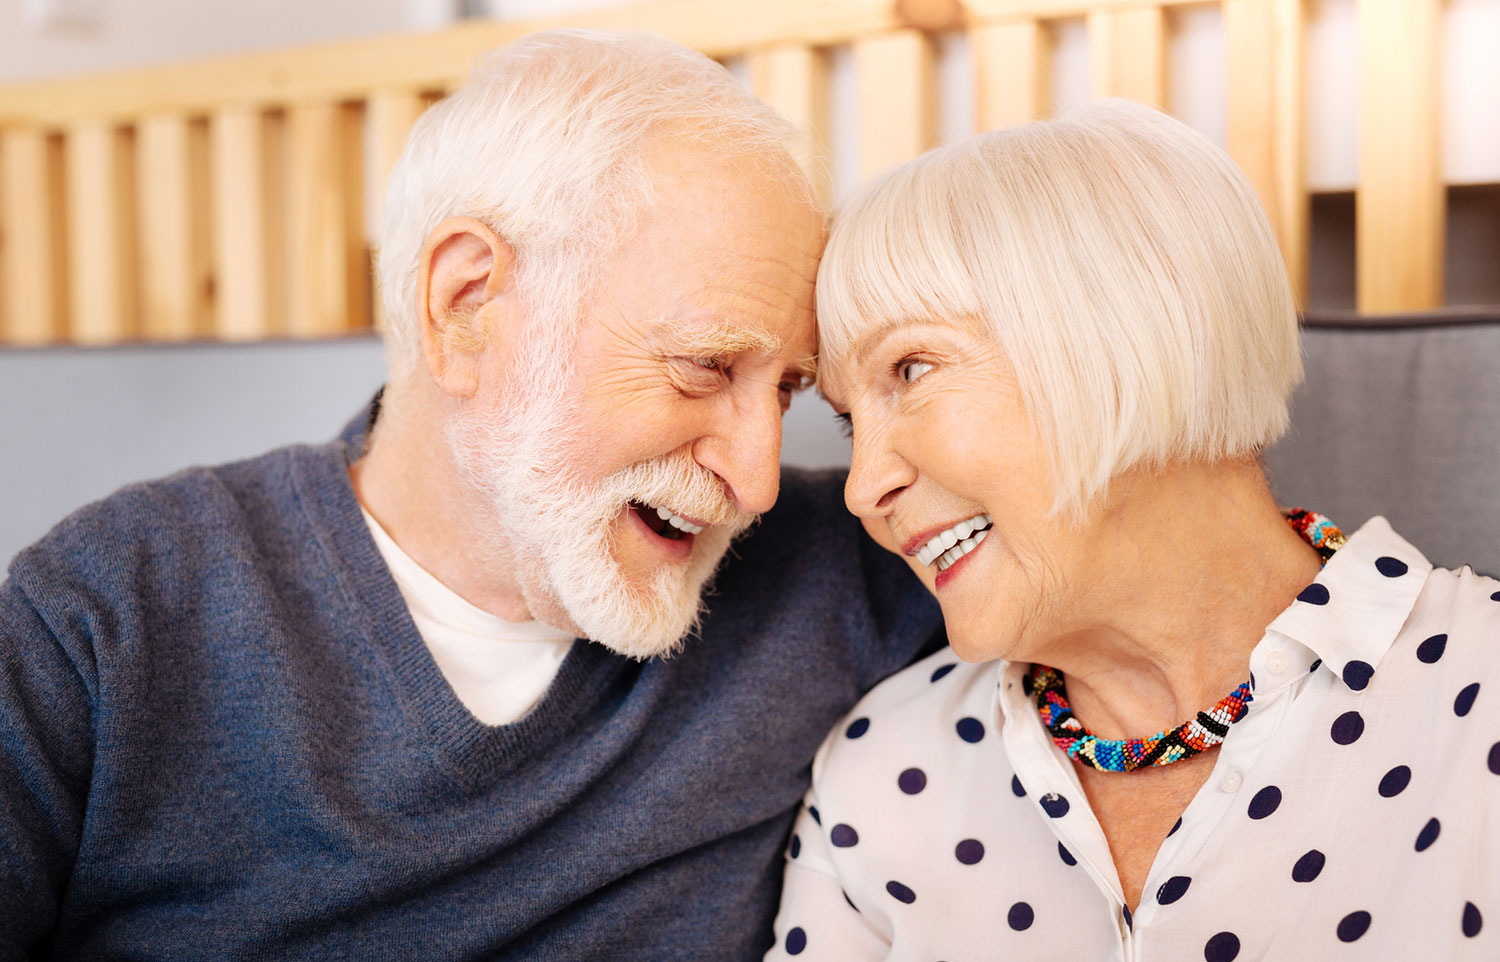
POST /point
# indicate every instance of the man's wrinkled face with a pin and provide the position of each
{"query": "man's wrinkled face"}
(623, 475)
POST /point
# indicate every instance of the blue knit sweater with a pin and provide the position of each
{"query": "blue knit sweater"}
(221, 737)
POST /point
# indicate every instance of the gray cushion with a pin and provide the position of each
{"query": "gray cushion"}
(1401, 417)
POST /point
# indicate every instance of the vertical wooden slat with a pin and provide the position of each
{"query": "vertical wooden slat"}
(328, 269)
(33, 283)
(1265, 46)
(391, 115)
(102, 275)
(248, 224)
(176, 290)
(1012, 73)
(1128, 54)
(793, 78)
(897, 98)
(1399, 198)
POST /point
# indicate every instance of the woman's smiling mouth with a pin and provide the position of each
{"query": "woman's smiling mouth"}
(950, 544)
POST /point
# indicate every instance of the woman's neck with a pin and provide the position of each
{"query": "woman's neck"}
(1190, 567)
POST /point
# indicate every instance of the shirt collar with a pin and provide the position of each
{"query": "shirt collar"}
(1352, 612)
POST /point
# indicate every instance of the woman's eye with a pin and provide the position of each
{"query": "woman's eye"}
(846, 424)
(909, 370)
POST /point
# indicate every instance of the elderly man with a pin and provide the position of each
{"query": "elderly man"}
(328, 702)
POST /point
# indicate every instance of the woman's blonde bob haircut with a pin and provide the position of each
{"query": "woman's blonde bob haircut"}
(1124, 265)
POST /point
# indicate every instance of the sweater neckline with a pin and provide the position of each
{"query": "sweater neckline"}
(477, 752)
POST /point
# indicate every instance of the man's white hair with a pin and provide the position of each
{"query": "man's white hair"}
(546, 146)
(1123, 263)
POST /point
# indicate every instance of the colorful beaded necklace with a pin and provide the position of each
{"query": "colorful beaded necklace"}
(1049, 689)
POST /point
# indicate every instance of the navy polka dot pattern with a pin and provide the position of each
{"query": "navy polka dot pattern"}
(1350, 805)
(1314, 594)
(1173, 889)
(1309, 866)
(900, 892)
(1495, 596)
(1265, 802)
(1056, 806)
(796, 941)
(1391, 567)
(1357, 674)
(1395, 781)
(1431, 650)
(1353, 925)
(969, 851)
(1347, 728)
(1224, 947)
(1473, 920)
(813, 811)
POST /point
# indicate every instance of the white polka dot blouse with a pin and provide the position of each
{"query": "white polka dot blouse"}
(1352, 813)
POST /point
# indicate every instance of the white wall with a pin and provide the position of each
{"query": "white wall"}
(129, 33)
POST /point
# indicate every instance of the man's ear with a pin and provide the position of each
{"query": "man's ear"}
(464, 292)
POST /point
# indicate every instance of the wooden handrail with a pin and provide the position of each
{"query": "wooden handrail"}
(353, 69)
(230, 198)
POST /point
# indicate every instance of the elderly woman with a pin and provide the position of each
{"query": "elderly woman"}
(1175, 722)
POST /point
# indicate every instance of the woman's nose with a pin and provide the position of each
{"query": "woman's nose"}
(877, 473)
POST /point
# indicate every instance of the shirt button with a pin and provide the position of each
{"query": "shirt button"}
(1276, 661)
(1231, 782)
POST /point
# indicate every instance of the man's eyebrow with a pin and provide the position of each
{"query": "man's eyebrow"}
(723, 336)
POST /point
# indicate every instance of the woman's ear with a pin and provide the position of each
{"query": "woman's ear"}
(464, 286)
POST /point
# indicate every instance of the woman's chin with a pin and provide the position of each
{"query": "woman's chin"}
(975, 638)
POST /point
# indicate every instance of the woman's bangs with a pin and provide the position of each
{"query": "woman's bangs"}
(893, 256)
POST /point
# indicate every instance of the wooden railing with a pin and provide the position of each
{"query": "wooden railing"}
(228, 198)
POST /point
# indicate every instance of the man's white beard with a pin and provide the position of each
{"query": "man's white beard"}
(519, 459)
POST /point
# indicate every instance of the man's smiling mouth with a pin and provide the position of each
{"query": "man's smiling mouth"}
(664, 522)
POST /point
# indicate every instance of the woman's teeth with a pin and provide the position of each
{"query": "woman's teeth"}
(681, 524)
(948, 546)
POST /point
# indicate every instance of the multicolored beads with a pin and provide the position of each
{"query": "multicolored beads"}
(1127, 754)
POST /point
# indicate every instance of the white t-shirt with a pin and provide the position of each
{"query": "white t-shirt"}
(1353, 812)
(499, 669)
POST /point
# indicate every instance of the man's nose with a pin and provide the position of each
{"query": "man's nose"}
(744, 451)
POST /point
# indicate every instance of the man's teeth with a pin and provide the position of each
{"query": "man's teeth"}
(681, 524)
(948, 546)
